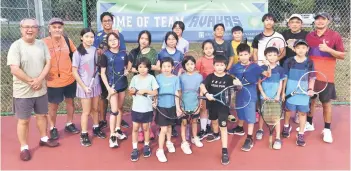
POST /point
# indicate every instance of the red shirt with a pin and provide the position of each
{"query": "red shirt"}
(205, 66)
(323, 61)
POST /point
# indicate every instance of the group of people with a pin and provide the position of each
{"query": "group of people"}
(51, 70)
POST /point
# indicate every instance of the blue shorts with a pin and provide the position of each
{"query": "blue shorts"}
(248, 113)
(297, 108)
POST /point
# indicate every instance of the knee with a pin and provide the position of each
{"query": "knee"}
(164, 129)
(23, 122)
(69, 101)
(184, 122)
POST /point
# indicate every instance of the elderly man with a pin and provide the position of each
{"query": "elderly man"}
(29, 60)
(60, 81)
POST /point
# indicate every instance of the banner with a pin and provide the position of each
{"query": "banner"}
(199, 17)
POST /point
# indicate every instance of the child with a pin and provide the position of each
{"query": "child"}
(113, 66)
(142, 112)
(252, 75)
(238, 37)
(205, 67)
(221, 46)
(168, 83)
(190, 84)
(295, 68)
(270, 89)
(182, 45)
(218, 113)
(83, 63)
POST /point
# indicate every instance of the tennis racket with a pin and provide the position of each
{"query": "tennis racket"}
(307, 78)
(277, 42)
(177, 68)
(244, 77)
(191, 103)
(169, 114)
(96, 68)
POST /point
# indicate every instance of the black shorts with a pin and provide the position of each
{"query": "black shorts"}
(57, 94)
(328, 94)
(141, 117)
(219, 112)
(160, 120)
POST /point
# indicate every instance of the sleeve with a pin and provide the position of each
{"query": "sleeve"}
(97, 41)
(154, 83)
(286, 67)
(75, 59)
(258, 70)
(207, 80)
(255, 42)
(122, 42)
(73, 47)
(126, 59)
(230, 49)
(177, 84)
(282, 74)
(14, 56)
(132, 82)
(229, 80)
(339, 45)
(264, 68)
(46, 52)
(103, 61)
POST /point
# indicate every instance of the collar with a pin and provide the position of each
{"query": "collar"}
(326, 33)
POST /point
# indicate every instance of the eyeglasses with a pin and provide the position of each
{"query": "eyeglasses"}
(113, 40)
(30, 27)
(107, 21)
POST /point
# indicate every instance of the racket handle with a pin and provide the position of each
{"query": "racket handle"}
(314, 96)
(202, 97)
(91, 82)
(288, 96)
(270, 141)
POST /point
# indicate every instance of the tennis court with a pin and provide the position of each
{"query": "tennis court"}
(316, 155)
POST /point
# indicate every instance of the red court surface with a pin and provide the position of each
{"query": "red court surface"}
(316, 155)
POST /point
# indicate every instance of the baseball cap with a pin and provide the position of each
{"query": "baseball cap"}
(322, 14)
(56, 21)
(217, 25)
(295, 16)
(299, 42)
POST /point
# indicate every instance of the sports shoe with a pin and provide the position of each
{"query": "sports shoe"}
(135, 155)
(98, 133)
(202, 134)
(113, 142)
(120, 135)
(54, 134)
(225, 158)
(71, 128)
(102, 124)
(124, 124)
(259, 134)
(327, 136)
(248, 144)
(231, 118)
(141, 136)
(277, 144)
(84, 140)
(237, 131)
(147, 151)
(212, 137)
(160, 154)
(296, 118)
(25, 155)
(197, 142)
(286, 131)
(300, 140)
(185, 146)
(308, 127)
(170, 147)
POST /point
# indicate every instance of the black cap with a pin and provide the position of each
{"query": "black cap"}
(299, 42)
(322, 14)
(219, 24)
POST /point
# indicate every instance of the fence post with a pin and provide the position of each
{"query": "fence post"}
(85, 14)
(39, 16)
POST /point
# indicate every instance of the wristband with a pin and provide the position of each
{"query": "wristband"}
(309, 89)
(205, 93)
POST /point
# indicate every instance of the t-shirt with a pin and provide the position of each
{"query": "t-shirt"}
(294, 71)
(177, 57)
(182, 45)
(86, 66)
(215, 84)
(290, 39)
(225, 49)
(31, 58)
(114, 64)
(61, 63)
(252, 75)
(101, 43)
(271, 84)
(323, 61)
(141, 103)
(190, 85)
(235, 45)
(168, 85)
(151, 55)
(260, 42)
(205, 66)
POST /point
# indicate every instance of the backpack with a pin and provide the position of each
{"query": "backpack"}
(69, 47)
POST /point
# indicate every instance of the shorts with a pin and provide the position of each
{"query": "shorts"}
(23, 107)
(219, 112)
(142, 117)
(297, 108)
(161, 120)
(57, 94)
(248, 113)
(328, 94)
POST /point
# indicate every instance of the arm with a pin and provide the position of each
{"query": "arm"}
(78, 79)
(282, 53)
(18, 72)
(261, 90)
(231, 60)
(158, 66)
(339, 52)
(267, 73)
(104, 78)
(279, 90)
(284, 89)
(336, 54)
(255, 55)
(37, 82)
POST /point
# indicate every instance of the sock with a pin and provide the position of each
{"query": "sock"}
(135, 145)
(208, 122)
(203, 123)
(84, 132)
(168, 142)
(301, 133)
(216, 134)
(44, 139)
(25, 147)
(95, 126)
(68, 123)
(51, 128)
(249, 136)
(286, 126)
(224, 150)
(146, 143)
(118, 128)
(309, 119)
(326, 125)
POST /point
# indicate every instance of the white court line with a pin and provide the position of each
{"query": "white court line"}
(143, 8)
(242, 4)
(225, 6)
(185, 7)
(122, 7)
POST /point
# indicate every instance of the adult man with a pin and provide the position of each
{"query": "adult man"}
(100, 42)
(60, 81)
(29, 60)
(325, 47)
(221, 46)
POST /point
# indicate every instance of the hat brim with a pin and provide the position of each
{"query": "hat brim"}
(294, 18)
(57, 22)
(315, 17)
(301, 43)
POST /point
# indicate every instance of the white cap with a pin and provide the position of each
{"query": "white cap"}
(295, 16)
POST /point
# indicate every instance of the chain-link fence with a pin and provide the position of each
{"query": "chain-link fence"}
(71, 12)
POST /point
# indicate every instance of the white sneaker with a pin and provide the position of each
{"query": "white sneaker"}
(327, 136)
(196, 140)
(186, 147)
(296, 119)
(160, 154)
(120, 135)
(170, 147)
(113, 142)
(308, 127)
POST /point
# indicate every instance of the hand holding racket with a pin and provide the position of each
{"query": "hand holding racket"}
(169, 114)
(111, 90)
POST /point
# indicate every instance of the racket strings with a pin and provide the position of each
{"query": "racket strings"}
(271, 112)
